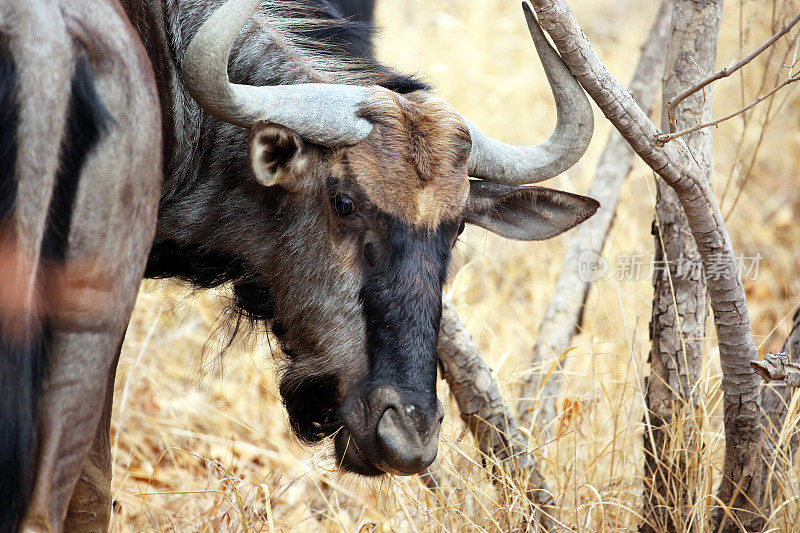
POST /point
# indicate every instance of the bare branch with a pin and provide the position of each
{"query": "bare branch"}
(666, 137)
(740, 486)
(727, 71)
(778, 367)
(565, 309)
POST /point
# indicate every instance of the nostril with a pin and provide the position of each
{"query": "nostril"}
(389, 426)
(399, 443)
(417, 419)
(407, 438)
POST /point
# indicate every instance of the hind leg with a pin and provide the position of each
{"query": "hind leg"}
(72, 424)
(112, 226)
(75, 402)
(90, 507)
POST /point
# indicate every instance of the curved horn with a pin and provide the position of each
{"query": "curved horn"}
(493, 160)
(321, 113)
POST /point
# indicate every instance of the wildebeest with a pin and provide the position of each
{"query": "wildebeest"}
(326, 189)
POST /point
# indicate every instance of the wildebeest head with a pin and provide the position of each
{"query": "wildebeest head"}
(374, 189)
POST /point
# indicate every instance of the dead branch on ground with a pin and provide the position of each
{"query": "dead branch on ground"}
(480, 402)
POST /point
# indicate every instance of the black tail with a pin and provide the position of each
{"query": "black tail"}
(17, 403)
(22, 366)
(23, 363)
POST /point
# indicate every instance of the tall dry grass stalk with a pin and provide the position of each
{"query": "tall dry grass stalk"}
(203, 444)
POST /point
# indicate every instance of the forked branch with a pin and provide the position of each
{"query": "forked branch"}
(666, 137)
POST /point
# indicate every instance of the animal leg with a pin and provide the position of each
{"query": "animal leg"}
(92, 290)
(90, 507)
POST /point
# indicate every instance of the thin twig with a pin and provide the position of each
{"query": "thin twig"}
(666, 137)
(727, 71)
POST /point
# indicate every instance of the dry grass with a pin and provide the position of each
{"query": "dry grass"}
(207, 448)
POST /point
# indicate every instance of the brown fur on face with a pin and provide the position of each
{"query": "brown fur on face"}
(413, 165)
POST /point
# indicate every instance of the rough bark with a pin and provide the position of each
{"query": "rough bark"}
(741, 486)
(482, 409)
(564, 313)
(779, 451)
(678, 323)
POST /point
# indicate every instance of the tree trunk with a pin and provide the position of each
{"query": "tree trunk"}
(564, 313)
(680, 306)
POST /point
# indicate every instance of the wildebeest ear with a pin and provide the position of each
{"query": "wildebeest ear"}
(526, 213)
(277, 154)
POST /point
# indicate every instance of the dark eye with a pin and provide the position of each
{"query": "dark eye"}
(342, 204)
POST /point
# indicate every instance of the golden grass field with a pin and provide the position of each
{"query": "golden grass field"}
(204, 445)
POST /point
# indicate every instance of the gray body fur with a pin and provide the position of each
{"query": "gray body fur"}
(117, 194)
